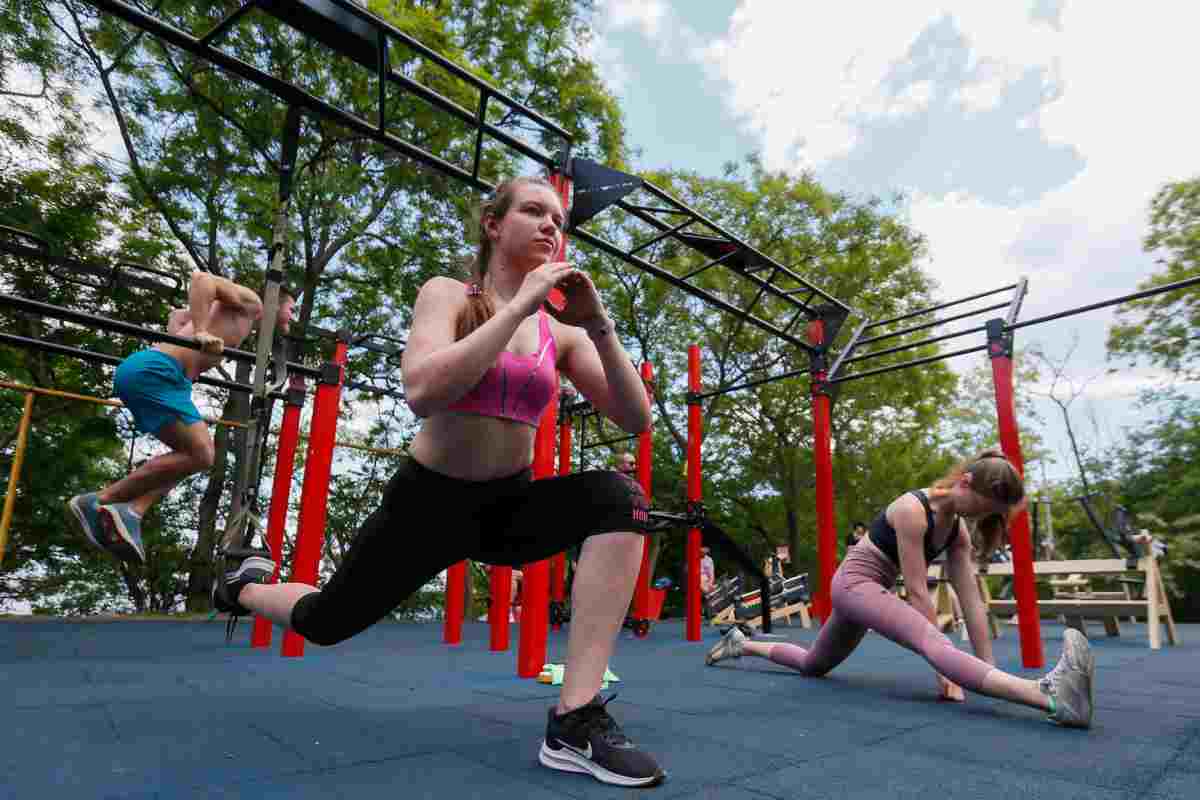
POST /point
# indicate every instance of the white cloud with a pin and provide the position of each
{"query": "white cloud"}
(647, 16)
(1029, 136)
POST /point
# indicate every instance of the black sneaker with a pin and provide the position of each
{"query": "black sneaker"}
(246, 566)
(588, 740)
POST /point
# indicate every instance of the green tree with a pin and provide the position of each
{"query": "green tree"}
(1162, 330)
(203, 155)
(758, 469)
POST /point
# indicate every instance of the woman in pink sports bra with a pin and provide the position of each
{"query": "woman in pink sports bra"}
(481, 365)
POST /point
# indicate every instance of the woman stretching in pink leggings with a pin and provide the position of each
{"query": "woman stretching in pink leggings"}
(905, 538)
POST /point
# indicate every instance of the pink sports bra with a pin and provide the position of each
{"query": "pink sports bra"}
(517, 387)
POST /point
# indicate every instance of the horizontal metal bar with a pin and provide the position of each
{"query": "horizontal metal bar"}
(751, 384)
(656, 209)
(390, 31)
(288, 92)
(710, 265)
(113, 275)
(97, 322)
(607, 442)
(678, 282)
(661, 236)
(1170, 287)
(102, 358)
(363, 386)
(914, 363)
(650, 187)
(933, 324)
(931, 309)
(901, 347)
(450, 107)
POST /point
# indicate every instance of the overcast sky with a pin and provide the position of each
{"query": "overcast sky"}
(1028, 137)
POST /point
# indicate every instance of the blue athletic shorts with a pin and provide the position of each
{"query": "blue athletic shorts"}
(154, 387)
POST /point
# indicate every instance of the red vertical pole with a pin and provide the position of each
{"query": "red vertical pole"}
(645, 464)
(558, 564)
(694, 492)
(322, 434)
(535, 584)
(500, 587)
(456, 579)
(281, 489)
(1024, 589)
(823, 466)
(826, 524)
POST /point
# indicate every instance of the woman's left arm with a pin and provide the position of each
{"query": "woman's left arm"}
(962, 577)
(596, 362)
(594, 359)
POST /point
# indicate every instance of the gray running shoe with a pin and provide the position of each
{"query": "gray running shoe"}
(730, 646)
(1072, 682)
(122, 531)
(83, 511)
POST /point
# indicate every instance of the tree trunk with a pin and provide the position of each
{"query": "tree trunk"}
(793, 538)
(136, 594)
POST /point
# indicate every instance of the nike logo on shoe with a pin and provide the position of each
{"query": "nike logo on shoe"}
(585, 753)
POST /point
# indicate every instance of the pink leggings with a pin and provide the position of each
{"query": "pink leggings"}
(861, 600)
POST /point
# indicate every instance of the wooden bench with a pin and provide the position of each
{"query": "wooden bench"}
(728, 616)
(1077, 602)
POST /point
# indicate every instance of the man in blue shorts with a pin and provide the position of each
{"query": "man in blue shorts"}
(156, 386)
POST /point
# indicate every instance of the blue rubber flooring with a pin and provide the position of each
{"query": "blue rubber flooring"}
(141, 709)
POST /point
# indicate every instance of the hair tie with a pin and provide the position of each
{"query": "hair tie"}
(473, 289)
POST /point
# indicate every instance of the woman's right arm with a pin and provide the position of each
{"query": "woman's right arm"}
(437, 370)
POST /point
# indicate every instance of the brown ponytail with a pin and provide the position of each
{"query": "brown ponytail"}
(480, 307)
(994, 477)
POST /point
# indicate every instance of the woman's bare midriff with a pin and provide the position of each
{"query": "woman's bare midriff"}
(473, 447)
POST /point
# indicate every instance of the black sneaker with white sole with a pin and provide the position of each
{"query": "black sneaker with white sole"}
(246, 567)
(588, 740)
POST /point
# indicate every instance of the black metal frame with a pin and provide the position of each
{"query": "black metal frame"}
(714, 535)
(110, 276)
(97, 322)
(364, 38)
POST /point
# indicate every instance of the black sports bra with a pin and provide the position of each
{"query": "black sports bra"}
(883, 535)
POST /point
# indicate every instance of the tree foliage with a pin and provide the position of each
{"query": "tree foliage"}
(1162, 330)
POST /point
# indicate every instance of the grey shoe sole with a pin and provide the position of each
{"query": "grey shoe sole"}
(1079, 657)
(78, 521)
(124, 547)
(111, 521)
(569, 761)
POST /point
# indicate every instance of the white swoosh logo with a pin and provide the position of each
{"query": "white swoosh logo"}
(585, 753)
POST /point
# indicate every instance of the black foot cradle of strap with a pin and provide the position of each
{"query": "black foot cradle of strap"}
(721, 542)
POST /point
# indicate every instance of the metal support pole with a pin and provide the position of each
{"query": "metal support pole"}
(281, 489)
(500, 589)
(558, 565)
(317, 470)
(645, 459)
(694, 492)
(14, 474)
(1000, 343)
(456, 582)
(535, 581)
(822, 406)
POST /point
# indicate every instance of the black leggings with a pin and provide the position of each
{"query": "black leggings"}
(428, 521)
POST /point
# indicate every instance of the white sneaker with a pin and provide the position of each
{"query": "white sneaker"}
(1071, 683)
(730, 646)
